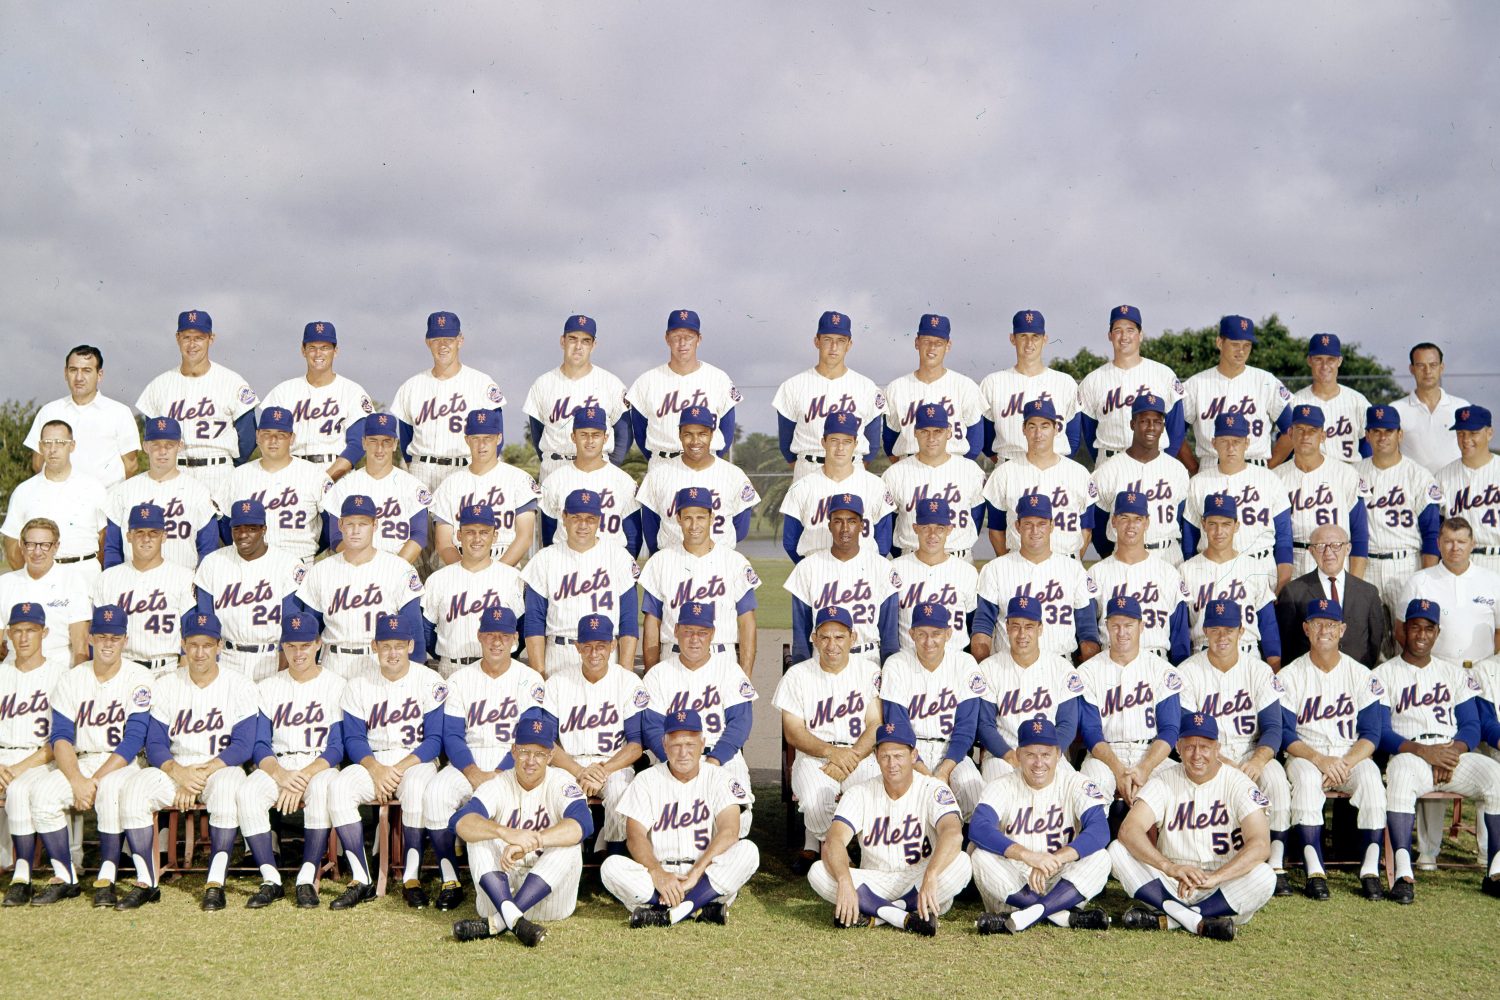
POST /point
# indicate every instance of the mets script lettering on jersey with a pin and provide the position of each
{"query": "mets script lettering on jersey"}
(235, 597)
(1467, 499)
(676, 817)
(433, 410)
(461, 605)
(1245, 407)
(185, 724)
(571, 587)
(857, 592)
(88, 715)
(563, 407)
(1313, 709)
(1037, 703)
(11, 708)
(579, 717)
(672, 402)
(481, 714)
(1015, 402)
(381, 714)
(921, 707)
(1218, 705)
(688, 592)
(819, 408)
(884, 831)
(180, 410)
(1114, 701)
(1409, 699)
(917, 593)
(343, 600)
(1115, 399)
(1026, 821)
(1320, 499)
(154, 601)
(538, 820)
(826, 711)
(1189, 817)
(306, 410)
(711, 699)
(287, 714)
(1161, 491)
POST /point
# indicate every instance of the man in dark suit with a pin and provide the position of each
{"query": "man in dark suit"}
(1364, 613)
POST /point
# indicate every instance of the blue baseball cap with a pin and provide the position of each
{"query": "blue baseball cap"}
(1122, 606)
(148, 516)
(683, 319)
(1131, 502)
(700, 416)
(930, 415)
(201, 622)
(1324, 345)
(249, 511)
(694, 496)
(319, 332)
(1037, 732)
(442, 324)
(1220, 505)
(1236, 328)
(162, 429)
(1130, 313)
(275, 418)
(846, 501)
(930, 616)
(1471, 418)
(1028, 321)
(596, 628)
(1200, 724)
(1041, 408)
(933, 325)
(108, 619)
(1324, 608)
(477, 422)
(682, 720)
(896, 731)
(581, 324)
(934, 510)
(299, 628)
(536, 727)
(842, 422)
(498, 618)
(1222, 614)
(1148, 402)
(1307, 415)
(836, 323)
(357, 505)
(1382, 418)
(834, 613)
(582, 502)
(696, 613)
(28, 611)
(1231, 425)
(587, 418)
(1034, 505)
(1422, 608)
(391, 627)
(195, 319)
(1024, 607)
(381, 425)
(476, 513)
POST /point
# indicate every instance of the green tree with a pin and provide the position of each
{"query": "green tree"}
(759, 456)
(15, 457)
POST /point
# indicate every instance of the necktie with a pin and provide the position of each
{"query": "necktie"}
(1333, 588)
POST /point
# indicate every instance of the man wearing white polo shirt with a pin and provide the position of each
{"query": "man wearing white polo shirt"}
(104, 428)
(1427, 412)
(73, 499)
(1468, 594)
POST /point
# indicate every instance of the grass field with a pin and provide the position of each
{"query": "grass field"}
(778, 942)
(774, 604)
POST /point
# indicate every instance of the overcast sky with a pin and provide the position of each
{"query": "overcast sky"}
(370, 163)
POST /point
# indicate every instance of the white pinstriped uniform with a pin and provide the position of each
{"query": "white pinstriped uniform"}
(1017, 694)
(1254, 393)
(435, 409)
(540, 808)
(1106, 394)
(660, 395)
(591, 728)
(247, 597)
(154, 601)
(351, 597)
(1068, 485)
(293, 497)
(616, 498)
(552, 399)
(952, 583)
(1324, 495)
(833, 707)
(731, 488)
(1040, 819)
(454, 598)
(958, 480)
(807, 398)
(206, 406)
(186, 502)
(1060, 583)
(301, 714)
(1343, 421)
(721, 577)
(505, 488)
(1326, 706)
(1234, 697)
(957, 393)
(1474, 494)
(807, 500)
(399, 496)
(1163, 481)
(1006, 392)
(320, 415)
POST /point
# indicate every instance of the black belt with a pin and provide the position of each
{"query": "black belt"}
(717, 647)
(77, 559)
(198, 463)
(1157, 546)
(264, 647)
(1403, 554)
(563, 640)
(560, 458)
(463, 661)
(819, 459)
(666, 454)
(154, 662)
(434, 460)
(318, 458)
(350, 650)
(1488, 550)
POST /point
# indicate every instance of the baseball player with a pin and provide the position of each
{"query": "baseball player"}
(510, 492)
(1466, 593)
(619, 514)
(104, 428)
(293, 491)
(200, 734)
(1039, 838)
(401, 500)
(576, 576)
(700, 571)
(1405, 507)
(1344, 408)
(851, 576)
(930, 574)
(1135, 571)
(830, 709)
(1062, 586)
(25, 750)
(524, 829)
(1105, 395)
(1006, 392)
(1022, 684)
(1471, 485)
(574, 385)
(327, 408)
(63, 593)
(431, 406)
(99, 719)
(661, 394)
(1041, 469)
(1428, 411)
(1145, 469)
(804, 507)
(214, 405)
(1129, 708)
(1331, 727)
(1206, 873)
(688, 856)
(1432, 733)
(70, 498)
(299, 745)
(456, 597)
(933, 382)
(712, 685)
(154, 593)
(601, 713)
(939, 693)
(1322, 491)
(193, 529)
(935, 472)
(393, 731)
(1260, 498)
(252, 589)
(734, 496)
(481, 715)
(354, 586)
(804, 402)
(1242, 694)
(1234, 386)
(912, 863)
(1220, 573)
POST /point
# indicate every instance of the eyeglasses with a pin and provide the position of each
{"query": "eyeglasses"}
(531, 755)
(1329, 546)
(39, 546)
(55, 442)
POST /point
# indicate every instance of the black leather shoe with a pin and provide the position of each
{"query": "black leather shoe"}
(307, 897)
(1316, 888)
(415, 895)
(992, 923)
(55, 892)
(802, 863)
(1143, 918)
(1217, 928)
(104, 895)
(472, 930)
(268, 893)
(213, 899)
(1404, 891)
(138, 896)
(1283, 885)
(859, 921)
(1090, 919)
(357, 893)
(650, 916)
(713, 913)
(450, 896)
(19, 894)
(528, 933)
(1370, 887)
(1491, 885)
(915, 924)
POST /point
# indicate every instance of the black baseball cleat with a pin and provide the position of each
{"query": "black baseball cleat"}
(55, 892)
(1143, 918)
(1217, 928)
(213, 899)
(357, 893)
(993, 923)
(859, 921)
(918, 924)
(268, 893)
(1283, 885)
(472, 930)
(1090, 919)
(138, 896)
(307, 897)
(450, 896)
(1403, 891)
(1490, 886)
(1316, 888)
(415, 895)
(104, 895)
(19, 894)
(528, 933)
(712, 913)
(650, 916)
(1370, 888)
(802, 863)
